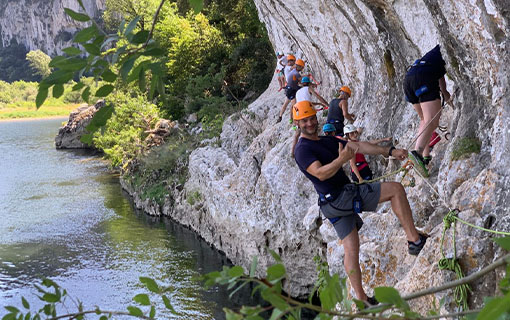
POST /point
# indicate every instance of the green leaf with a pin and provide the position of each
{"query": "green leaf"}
(100, 118)
(253, 267)
(28, 316)
(275, 255)
(140, 37)
(152, 313)
(25, 303)
(135, 74)
(109, 40)
(72, 51)
(56, 61)
(59, 76)
(86, 138)
(86, 34)
(77, 16)
(12, 309)
(154, 83)
(92, 49)
(237, 289)
(42, 94)
(331, 294)
(236, 271)
(503, 242)
(168, 305)
(127, 66)
(98, 41)
(9, 316)
(156, 69)
(495, 308)
(103, 318)
(86, 94)
(231, 315)
(274, 299)
(78, 86)
(104, 90)
(58, 90)
(148, 282)
(142, 299)
(50, 297)
(275, 272)
(141, 80)
(154, 52)
(108, 75)
(131, 26)
(135, 311)
(71, 64)
(390, 295)
(81, 5)
(197, 5)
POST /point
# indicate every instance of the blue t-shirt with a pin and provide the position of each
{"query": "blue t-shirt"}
(434, 63)
(324, 150)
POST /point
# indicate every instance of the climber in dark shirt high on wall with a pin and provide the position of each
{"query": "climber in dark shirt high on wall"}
(422, 85)
(321, 160)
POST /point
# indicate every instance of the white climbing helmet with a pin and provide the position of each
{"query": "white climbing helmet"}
(349, 128)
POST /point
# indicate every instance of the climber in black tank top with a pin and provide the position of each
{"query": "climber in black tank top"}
(339, 110)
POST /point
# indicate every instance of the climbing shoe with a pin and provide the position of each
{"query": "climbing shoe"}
(415, 247)
(427, 159)
(418, 162)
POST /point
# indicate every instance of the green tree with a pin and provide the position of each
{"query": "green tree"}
(39, 62)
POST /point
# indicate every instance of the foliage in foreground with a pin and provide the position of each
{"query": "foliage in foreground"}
(331, 290)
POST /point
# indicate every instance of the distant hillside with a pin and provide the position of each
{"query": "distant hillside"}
(36, 24)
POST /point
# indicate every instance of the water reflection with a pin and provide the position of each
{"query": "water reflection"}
(63, 216)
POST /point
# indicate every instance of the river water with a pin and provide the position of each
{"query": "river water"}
(65, 217)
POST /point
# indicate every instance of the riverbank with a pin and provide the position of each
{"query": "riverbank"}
(45, 112)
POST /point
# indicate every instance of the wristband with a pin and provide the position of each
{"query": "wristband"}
(391, 150)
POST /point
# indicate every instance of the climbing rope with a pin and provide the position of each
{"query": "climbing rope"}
(443, 104)
(406, 167)
(460, 292)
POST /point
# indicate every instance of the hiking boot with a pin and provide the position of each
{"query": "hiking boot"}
(427, 159)
(415, 248)
(418, 162)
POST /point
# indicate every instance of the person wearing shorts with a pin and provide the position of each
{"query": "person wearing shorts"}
(293, 79)
(422, 86)
(321, 158)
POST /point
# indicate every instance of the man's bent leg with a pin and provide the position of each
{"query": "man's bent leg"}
(395, 192)
(351, 263)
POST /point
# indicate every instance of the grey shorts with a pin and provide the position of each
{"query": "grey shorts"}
(341, 207)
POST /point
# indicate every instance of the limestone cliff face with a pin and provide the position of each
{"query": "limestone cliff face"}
(42, 24)
(253, 196)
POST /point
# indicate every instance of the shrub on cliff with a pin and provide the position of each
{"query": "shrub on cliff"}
(122, 137)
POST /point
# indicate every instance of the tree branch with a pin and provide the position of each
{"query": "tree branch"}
(156, 14)
(505, 260)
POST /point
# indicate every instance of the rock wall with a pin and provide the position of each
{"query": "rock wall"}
(251, 195)
(42, 24)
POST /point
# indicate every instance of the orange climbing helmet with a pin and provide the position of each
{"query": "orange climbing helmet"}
(346, 90)
(300, 62)
(303, 109)
(291, 57)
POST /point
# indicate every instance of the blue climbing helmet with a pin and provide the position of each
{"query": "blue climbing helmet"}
(305, 80)
(328, 127)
